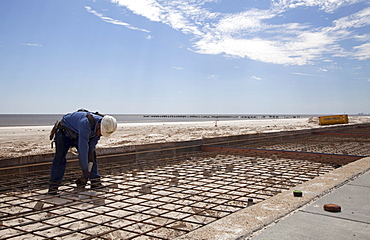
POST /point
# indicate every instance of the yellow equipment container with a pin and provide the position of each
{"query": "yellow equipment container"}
(334, 119)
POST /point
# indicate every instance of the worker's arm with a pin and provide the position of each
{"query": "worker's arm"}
(92, 143)
(83, 145)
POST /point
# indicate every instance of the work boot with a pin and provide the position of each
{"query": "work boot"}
(53, 189)
(97, 185)
(81, 184)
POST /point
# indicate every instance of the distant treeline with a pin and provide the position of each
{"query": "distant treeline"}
(224, 116)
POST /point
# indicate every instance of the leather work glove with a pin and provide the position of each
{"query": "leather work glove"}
(81, 182)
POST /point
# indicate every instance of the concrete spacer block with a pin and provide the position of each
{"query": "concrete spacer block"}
(98, 200)
(146, 189)
(229, 168)
(174, 181)
(38, 206)
(207, 173)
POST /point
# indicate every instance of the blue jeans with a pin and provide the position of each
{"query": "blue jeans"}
(58, 167)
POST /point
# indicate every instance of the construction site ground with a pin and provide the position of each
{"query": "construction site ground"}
(229, 188)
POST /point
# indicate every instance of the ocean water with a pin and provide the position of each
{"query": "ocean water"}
(7, 120)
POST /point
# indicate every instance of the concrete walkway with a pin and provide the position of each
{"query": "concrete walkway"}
(313, 222)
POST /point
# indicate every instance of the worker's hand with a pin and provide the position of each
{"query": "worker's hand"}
(81, 182)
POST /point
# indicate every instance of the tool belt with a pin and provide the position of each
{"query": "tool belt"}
(59, 126)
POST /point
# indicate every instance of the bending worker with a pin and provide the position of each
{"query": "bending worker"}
(81, 129)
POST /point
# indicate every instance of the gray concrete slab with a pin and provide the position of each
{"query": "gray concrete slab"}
(361, 181)
(313, 222)
(304, 225)
(353, 199)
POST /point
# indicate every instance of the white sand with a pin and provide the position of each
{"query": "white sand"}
(22, 141)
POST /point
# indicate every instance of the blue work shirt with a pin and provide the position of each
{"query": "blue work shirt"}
(87, 138)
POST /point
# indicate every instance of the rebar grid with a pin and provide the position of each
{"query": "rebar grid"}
(152, 202)
(332, 144)
(357, 130)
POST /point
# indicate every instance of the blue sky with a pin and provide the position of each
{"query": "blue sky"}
(185, 56)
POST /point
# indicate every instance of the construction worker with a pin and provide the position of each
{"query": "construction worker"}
(81, 129)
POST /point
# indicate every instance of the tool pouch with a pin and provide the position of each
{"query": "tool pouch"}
(54, 130)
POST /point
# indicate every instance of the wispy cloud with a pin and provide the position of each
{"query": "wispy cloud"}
(304, 74)
(255, 33)
(356, 20)
(362, 52)
(113, 21)
(32, 44)
(325, 5)
(178, 68)
(213, 77)
(181, 15)
(256, 78)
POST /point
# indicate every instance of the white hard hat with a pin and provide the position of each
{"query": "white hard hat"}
(108, 125)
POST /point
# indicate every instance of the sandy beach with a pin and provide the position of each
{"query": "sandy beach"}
(22, 141)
